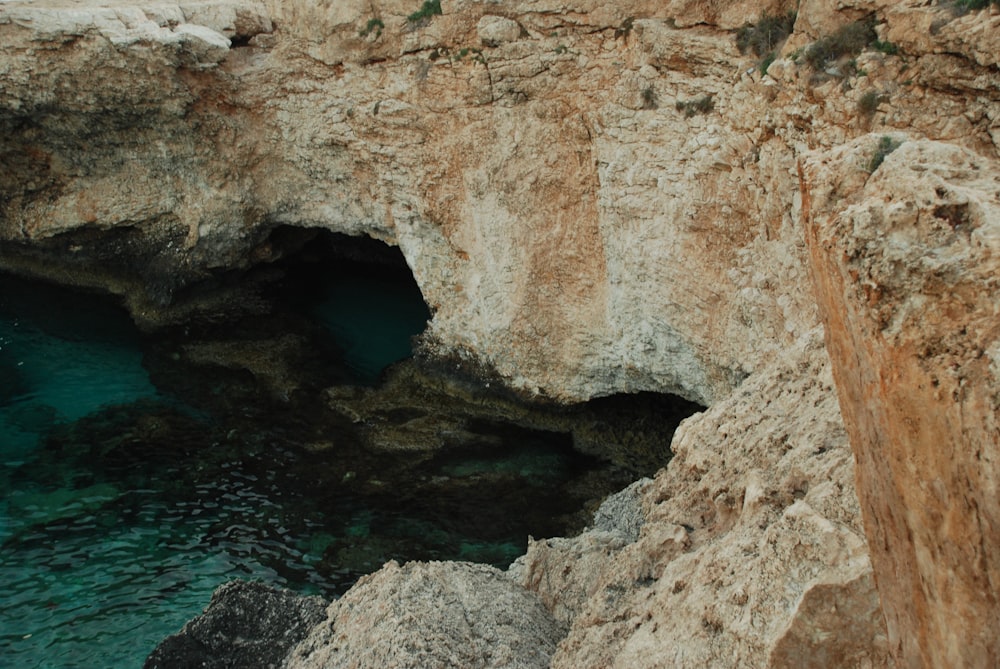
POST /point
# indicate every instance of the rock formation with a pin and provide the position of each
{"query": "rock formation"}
(907, 274)
(437, 614)
(245, 625)
(599, 198)
(751, 552)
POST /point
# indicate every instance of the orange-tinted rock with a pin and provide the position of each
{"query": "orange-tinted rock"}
(907, 272)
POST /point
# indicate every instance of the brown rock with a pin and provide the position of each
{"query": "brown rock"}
(905, 263)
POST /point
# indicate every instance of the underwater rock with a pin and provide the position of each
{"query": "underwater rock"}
(246, 625)
(36, 417)
(35, 508)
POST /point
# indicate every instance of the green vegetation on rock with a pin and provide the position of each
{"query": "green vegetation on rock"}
(848, 40)
(765, 37)
(886, 145)
(429, 9)
(868, 103)
(373, 25)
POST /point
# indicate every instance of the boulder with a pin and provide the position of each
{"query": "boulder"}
(434, 614)
(495, 30)
(246, 625)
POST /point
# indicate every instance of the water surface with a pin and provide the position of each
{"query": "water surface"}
(124, 503)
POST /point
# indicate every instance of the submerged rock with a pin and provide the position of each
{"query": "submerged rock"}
(433, 614)
(246, 625)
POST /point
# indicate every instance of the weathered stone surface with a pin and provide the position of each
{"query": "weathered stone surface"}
(905, 261)
(436, 614)
(495, 30)
(566, 572)
(562, 256)
(579, 244)
(246, 624)
(751, 553)
(621, 513)
(205, 46)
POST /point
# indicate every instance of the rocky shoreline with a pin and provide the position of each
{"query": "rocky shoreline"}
(794, 222)
(423, 614)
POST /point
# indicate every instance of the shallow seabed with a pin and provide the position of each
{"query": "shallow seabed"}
(125, 503)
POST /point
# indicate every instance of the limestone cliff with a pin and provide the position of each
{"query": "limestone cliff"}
(597, 198)
(906, 270)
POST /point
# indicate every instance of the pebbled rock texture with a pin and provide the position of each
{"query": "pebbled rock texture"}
(247, 624)
(434, 614)
(751, 551)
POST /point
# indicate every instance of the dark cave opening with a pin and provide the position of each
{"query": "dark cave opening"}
(361, 290)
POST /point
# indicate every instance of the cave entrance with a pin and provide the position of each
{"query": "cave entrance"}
(362, 291)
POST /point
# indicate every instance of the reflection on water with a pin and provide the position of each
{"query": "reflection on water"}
(123, 508)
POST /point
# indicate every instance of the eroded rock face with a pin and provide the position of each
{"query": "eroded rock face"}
(608, 200)
(434, 614)
(578, 244)
(751, 552)
(906, 265)
(536, 216)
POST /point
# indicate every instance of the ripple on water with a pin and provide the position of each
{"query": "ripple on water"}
(73, 592)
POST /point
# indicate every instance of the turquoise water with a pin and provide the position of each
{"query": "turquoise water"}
(60, 369)
(122, 508)
(373, 319)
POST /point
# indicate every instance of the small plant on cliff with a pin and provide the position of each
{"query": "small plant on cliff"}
(429, 9)
(626, 28)
(848, 40)
(701, 105)
(888, 48)
(869, 102)
(648, 96)
(373, 26)
(765, 37)
(886, 145)
(970, 5)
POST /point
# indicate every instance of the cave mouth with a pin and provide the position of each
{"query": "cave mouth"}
(360, 289)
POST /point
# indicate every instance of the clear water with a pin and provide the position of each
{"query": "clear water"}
(60, 369)
(373, 319)
(122, 509)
